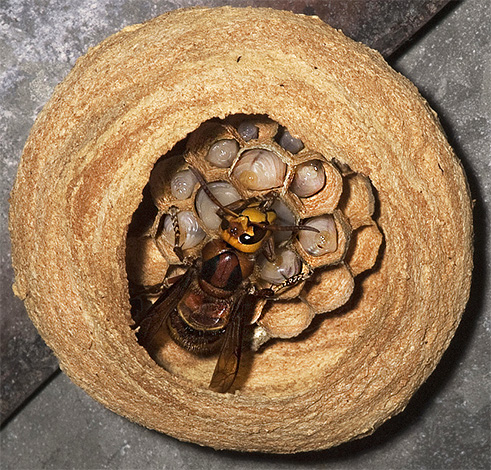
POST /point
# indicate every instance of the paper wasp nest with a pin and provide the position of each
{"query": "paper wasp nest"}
(374, 152)
(245, 157)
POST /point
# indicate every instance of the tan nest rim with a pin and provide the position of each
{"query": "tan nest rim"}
(130, 100)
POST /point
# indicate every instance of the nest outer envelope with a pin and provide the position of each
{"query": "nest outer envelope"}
(126, 103)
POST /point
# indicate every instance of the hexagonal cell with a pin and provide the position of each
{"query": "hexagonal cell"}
(192, 235)
(285, 265)
(222, 153)
(329, 288)
(285, 217)
(254, 127)
(364, 249)
(260, 169)
(285, 275)
(323, 240)
(307, 244)
(323, 201)
(289, 142)
(169, 206)
(286, 319)
(213, 148)
(206, 209)
(358, 201)
(309, 178)
(186, 225)
(163, 185)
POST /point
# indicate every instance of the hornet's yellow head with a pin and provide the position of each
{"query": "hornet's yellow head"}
(243, 232)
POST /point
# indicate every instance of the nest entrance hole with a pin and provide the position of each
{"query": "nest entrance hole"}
(308, 326)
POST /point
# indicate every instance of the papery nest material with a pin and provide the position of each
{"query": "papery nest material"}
(128, 101)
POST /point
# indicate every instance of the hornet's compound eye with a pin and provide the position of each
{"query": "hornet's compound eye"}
(247, 239)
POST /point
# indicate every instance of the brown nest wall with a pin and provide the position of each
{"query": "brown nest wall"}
(130, 100)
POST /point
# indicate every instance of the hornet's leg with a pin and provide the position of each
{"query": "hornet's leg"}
(173, 212)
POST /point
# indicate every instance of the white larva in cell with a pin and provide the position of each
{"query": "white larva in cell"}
(309, 179)
(286, 265)
(191, 234)
(322, 242)
(207, 210)
(248, 130)
(290, 143)
(182, 184)
(260, 169)
(284, 217)
(222, 153)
